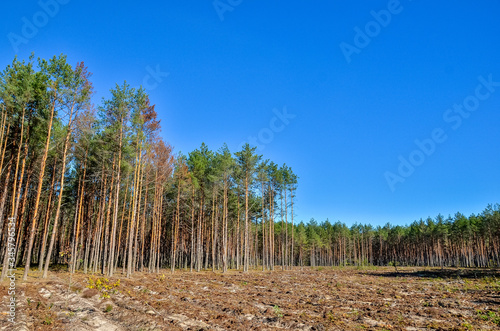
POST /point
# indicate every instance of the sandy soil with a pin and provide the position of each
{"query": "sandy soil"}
(298, 299)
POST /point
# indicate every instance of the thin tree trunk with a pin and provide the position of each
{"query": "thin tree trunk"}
(106, 223)
(117, 198)
(47, 219)
(293, 229)
(134, 213)
(175, 226)
(213, 228)
(245, 267)
(2, 206)
(39, 191)
(192, 231)
(121, 225)
(143, 225)
(224, 231)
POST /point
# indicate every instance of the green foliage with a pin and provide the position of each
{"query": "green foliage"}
(247, 162)
(277, 311)
(103, 285)
(489, 315)
(47, 320)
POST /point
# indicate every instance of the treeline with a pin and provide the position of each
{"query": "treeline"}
(457, 241)
(97, 189)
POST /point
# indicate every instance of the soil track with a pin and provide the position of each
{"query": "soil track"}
(298, 299)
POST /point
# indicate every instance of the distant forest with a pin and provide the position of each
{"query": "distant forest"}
(97, 189)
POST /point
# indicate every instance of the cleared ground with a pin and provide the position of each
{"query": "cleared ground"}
(298, 299)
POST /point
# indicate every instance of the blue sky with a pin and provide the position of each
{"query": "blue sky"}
(223, 74)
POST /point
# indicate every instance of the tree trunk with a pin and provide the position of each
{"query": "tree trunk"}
(115, 212)
(39, 192)
(245, 267)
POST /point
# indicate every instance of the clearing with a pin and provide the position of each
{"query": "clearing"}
(300, 299)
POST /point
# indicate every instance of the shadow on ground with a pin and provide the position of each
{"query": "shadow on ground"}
(444, 273)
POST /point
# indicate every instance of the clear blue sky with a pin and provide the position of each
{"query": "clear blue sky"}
(353, 120)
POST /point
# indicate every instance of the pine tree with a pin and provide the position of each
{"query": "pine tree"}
(247, 162)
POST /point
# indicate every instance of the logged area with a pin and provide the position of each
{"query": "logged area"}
(300, 299)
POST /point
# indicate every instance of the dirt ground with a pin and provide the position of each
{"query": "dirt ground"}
(299, 299)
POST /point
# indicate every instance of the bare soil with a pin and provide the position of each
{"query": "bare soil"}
(299, 299)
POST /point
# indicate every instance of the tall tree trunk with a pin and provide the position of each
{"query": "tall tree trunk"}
(245, 267)
(293, 229)
(136, 235)
(5, 192)
(238, 235)
(213, 227)
(175, 226)
(4, 136)
(282, 233)
(271, 228)
(2, 206)
(124, 204)
(130, 265)
(287, 262)
(105, 253)
(47, 219)
(96, 249)
(117, 198)
(143, 223)
(224, 230)
(39, 192)
(192, 230)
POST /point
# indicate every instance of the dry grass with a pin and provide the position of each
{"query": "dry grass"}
(299, 299)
